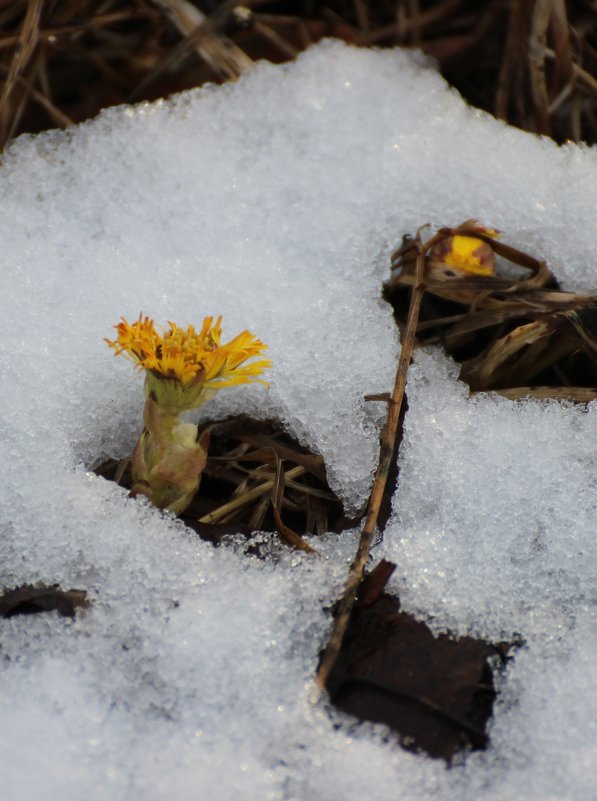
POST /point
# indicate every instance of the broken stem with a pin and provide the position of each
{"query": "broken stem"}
(388, 442)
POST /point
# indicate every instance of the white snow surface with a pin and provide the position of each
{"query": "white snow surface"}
(276, 202)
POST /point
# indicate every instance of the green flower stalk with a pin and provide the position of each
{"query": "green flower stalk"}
(183, 369)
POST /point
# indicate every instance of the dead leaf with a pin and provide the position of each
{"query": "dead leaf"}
(29, 600)
(436, 692)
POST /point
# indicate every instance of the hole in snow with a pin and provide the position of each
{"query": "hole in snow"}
(436, 692)
(512, 330)
(257, 478)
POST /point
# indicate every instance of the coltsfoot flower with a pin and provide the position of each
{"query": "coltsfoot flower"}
(183, 369)
(467, 254)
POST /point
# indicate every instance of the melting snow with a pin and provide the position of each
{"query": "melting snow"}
(276, 202)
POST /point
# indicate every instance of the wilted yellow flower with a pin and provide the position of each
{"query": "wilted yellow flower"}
(467, 253)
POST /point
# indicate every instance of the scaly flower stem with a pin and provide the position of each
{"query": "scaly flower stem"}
(168, 459)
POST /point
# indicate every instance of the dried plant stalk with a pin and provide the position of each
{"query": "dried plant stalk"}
(388, 442)
(543, 325)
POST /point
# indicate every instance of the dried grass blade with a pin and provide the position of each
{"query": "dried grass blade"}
(559, 347)
(60, 119)
(537, 46)
(123, 464)
(222, 511)
(509, 62)
(286, 534)
(577, 394)
(290, 537)
(560, 33)
(481, 371)
(283, 45)
(218, 51)
(312, 463)
(578, 326)
(266, 455)
(28, 38)
(314, 492)
(258, 514)
(278, 488)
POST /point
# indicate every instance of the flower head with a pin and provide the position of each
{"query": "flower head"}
(467, 253)
(194, 360)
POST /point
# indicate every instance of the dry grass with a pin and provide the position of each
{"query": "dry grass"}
(531, 62)
(519, 336)
(256, 479)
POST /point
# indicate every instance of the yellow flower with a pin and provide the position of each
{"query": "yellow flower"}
(191, 357)
(467, 253)
(183, 368)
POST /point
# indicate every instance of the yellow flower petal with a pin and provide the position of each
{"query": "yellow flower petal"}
(190, 357)
(467, 253)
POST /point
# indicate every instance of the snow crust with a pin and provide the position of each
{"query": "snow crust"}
(276, 202)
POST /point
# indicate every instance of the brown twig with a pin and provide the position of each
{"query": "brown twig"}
(388, 442)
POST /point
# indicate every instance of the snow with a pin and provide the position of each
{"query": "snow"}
(276, 202)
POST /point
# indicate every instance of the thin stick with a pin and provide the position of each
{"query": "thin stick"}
(388, 441)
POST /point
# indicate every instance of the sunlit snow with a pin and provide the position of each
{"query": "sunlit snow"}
(276, 202)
